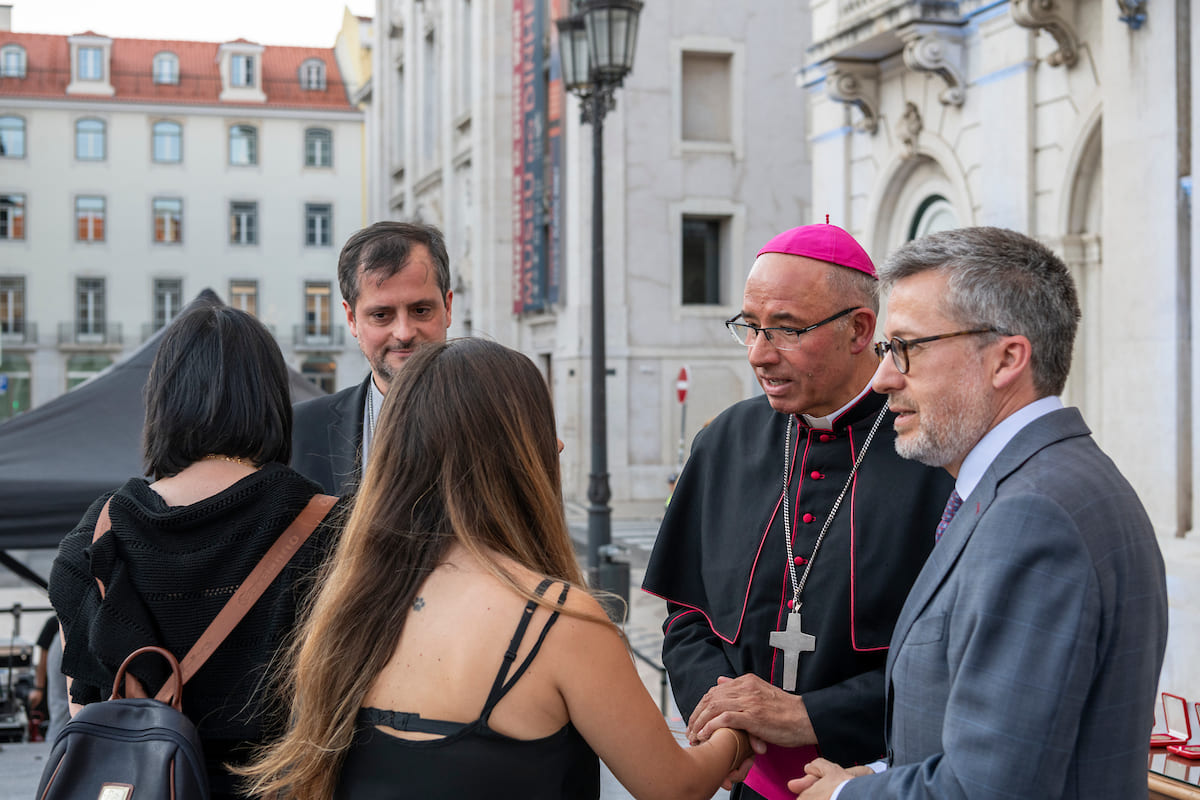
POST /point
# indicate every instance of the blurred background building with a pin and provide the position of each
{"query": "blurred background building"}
(135, 173)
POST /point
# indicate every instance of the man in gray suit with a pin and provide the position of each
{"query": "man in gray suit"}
(1025, 660)
(395, 282)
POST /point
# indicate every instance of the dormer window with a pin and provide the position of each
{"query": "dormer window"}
(312, 75)
(166, 68)
(90, 64)
(241, 73)
(12, 61)
(241, 67)
(90, 70)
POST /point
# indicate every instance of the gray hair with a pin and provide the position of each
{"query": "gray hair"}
(854, 287)
(1002, 279)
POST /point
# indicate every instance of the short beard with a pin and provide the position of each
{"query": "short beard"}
(948, 431)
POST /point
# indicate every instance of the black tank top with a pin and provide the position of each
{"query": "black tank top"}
(471, 760)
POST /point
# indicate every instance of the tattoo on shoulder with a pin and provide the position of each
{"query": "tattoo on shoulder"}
(418, 604)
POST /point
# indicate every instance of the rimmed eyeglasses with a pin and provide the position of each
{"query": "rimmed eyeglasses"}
(784, 338)
(899, 347)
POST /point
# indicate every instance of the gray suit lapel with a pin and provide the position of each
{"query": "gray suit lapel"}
(1040, 433)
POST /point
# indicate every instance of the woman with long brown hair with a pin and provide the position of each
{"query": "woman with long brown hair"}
(452, 651)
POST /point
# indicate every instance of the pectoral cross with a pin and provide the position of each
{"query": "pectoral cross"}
(792, 641)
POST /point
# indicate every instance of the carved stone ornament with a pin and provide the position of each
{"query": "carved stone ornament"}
(857, 85)
(927, 50)
(1044, 15)
(910, 128)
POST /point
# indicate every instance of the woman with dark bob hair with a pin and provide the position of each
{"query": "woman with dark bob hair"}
(217, 440)
(452, 650)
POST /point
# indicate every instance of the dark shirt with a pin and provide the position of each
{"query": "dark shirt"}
(470, 760)
(168, 571)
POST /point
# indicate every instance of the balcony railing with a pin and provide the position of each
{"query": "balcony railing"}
(20, 335)
(84, 335)
(308, 338)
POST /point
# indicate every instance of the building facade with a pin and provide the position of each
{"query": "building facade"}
(704, 160)
(136, 173)
(1073, 121)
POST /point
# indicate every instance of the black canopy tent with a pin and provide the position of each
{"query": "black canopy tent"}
(59, 457)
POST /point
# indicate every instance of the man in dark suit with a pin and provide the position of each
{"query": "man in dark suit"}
(395, 283)
(1026, 657)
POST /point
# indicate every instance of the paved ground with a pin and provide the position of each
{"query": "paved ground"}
(21, 764)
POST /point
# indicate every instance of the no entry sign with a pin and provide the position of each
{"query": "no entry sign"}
(682, 381)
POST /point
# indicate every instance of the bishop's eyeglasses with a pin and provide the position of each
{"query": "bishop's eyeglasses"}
(899, 347)
(784, 338)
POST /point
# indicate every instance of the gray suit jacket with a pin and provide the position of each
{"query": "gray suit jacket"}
(1025, 661)
(326, 437)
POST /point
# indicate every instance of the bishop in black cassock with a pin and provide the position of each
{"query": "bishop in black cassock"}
(721, 564)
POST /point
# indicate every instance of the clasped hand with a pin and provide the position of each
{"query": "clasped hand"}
(748, 703)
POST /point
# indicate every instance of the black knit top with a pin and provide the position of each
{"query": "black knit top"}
(167, 572)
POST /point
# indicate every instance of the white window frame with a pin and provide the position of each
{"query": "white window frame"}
(318, 147)
(737, 81)
(312, 75)
(156, 135)
(241, 289)
(318, 224)
(15, 319)
(22, 134)
(91, 136)
(170, 211)
(90, 309)
(318, 310)
(251, 139)
(241, 71)
(243, 223)
(10, 211)
(89, 212)
(13, 61)
(166, 68)
(168, 300)
(89, 63)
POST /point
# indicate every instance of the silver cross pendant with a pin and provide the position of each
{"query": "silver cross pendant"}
(792, 641)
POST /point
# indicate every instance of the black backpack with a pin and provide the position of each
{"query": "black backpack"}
(128, 748)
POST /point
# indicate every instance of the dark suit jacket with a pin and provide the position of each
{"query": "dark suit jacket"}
(1025, 661)
(326, 437)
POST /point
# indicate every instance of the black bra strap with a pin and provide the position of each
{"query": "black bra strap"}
(500, 687)
(404, 721)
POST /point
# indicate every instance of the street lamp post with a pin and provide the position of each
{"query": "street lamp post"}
(596, 45)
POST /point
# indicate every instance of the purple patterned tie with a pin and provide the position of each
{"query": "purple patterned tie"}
(952, 506)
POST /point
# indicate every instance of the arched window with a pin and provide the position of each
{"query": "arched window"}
(318, 147)
(168, 142)
(89, 140)
(243, 145)
(12, 61)
(12, 137)
(312, 74)
(166, 68)
(933, 215)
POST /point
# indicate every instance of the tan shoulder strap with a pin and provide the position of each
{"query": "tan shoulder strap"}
(252, 587)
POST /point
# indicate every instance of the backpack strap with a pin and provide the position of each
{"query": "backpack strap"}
(267, 569)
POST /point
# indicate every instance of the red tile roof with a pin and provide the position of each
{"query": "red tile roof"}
(48, 71)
